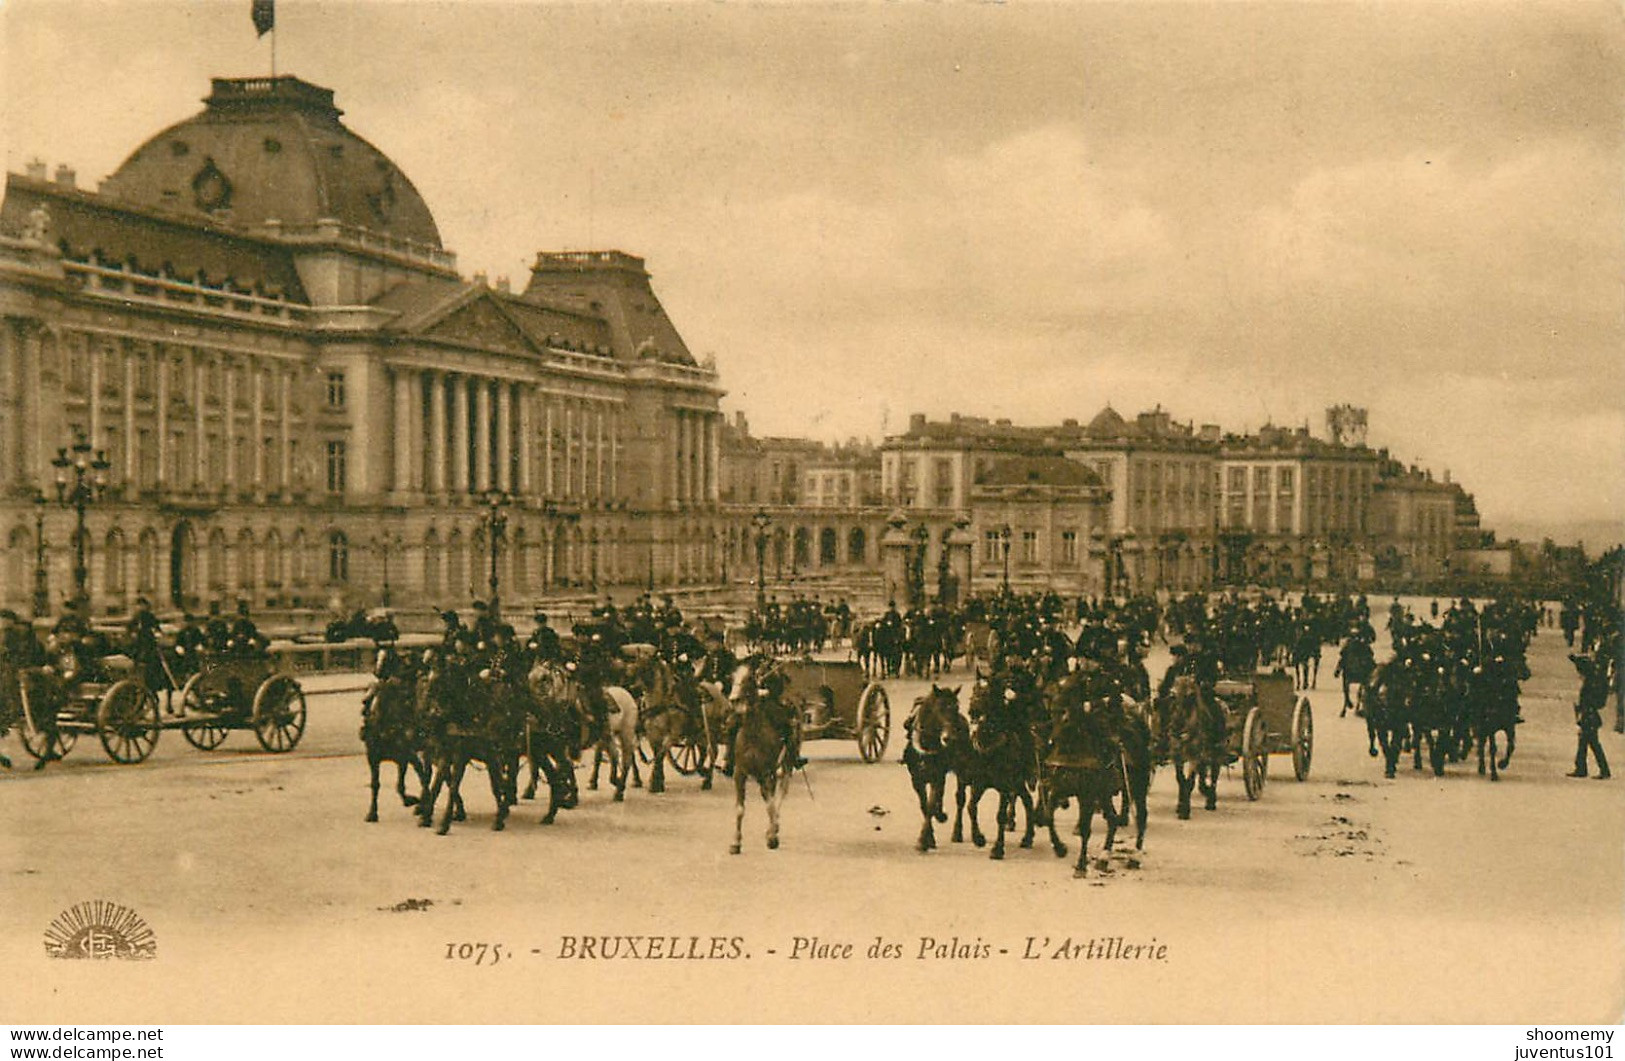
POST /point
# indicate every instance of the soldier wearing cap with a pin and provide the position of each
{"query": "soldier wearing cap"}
(543, 644)
(243, 636)
(1588, 712)
(142, 631)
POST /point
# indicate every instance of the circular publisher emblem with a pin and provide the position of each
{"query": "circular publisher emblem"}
(100, 929)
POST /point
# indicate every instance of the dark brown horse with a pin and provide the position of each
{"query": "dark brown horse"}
(1082, 763)
(1002, 756)
(765, 742)
(938, 742)
(390, 730)
(468, 718)
(1196, 742)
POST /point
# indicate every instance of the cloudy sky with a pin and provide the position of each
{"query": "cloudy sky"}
(1244, 212)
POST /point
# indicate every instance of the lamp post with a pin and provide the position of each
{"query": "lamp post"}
(1004, 544)
(42, 592)
(495, 523)
(81, 478)
(761, 521)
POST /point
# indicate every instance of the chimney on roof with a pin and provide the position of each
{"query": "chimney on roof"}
(36, 170)
(479, 279)
(1069, 422)
(1209, 433)
(1002, 421)
(502, 284)
(65, 176)
(916, 423)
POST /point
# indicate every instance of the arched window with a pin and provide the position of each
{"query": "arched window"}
(273, 560)
(829, 551)
(857, 546)
(19, 561)
(217, 559)
(146, 563)
(245, 561)
(338, 557)
(113, 564)
(299, 561)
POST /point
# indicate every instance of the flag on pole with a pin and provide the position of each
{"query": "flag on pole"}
(264, 14)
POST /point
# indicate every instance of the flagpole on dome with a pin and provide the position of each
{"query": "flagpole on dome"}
(263, 12)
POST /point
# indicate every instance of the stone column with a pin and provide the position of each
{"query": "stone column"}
(615, 452)
(482, 435)
(598, 453)
(714, 479)
(228, 420)
(504, 481)
(679, 487)
(95, 395)
(547, 449)
(132, 472)
(10, 409)
(200, 448)
(403, 431)
(895, 547)
(459, 435)
(527, 439)
(160, 365)
(256, 443)
(437, 433)
(569, 449)
(285, 429)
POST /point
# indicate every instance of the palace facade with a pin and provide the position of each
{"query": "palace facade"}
(303, 404)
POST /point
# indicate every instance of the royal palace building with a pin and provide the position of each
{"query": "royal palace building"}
(300, 400)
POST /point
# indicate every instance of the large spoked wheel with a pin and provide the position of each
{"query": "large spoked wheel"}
(203, 735)
(1303, 739)
(685, 757)
(874, 722)
(39, 742)
(279, 713)
(127, 722)
(1255, 757)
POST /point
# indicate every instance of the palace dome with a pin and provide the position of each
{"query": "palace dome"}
(273, 149)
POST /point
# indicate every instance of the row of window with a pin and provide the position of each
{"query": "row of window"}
(80, 358)
(1023, 545)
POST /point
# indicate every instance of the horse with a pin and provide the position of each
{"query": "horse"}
(975, 644)
(1493, 697)
(615, 737)
(938, 738)
(1082, 764)
(468, 719)
(1355, 666)
(1386, 718)
(1196, 742)
(556, 729)
(390, 729)
(669, 720)
(765, 741)
(1002, 756)
(921, 641)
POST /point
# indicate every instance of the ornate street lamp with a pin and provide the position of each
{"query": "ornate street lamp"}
(1004, 544)
(495, 524)
(761, 521)
(81, 479)
(42, 592)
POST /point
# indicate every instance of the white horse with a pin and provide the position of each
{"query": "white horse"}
(617, 739)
